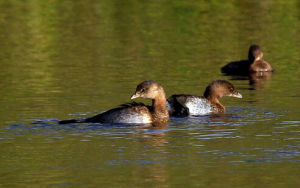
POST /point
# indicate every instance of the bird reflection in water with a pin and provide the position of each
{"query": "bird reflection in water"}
(154, 143)
(257, 79)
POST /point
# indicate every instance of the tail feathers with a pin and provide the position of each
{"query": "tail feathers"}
(70, 121)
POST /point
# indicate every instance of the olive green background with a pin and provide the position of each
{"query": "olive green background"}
(67, 59)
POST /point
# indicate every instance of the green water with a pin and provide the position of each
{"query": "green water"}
(68, 59)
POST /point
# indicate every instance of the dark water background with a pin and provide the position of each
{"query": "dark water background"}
(67, 59)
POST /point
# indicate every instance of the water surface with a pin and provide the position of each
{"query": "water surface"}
(67, 59)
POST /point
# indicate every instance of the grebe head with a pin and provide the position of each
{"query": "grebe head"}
(148, 89)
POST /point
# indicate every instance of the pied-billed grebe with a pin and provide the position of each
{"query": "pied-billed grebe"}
(184, 105)
(135, 113)
(259, 65)
(255, 63)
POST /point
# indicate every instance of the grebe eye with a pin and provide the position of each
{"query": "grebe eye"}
(143, 90)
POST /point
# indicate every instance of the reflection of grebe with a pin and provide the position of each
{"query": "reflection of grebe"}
(257, 79)
(135, 113)
(155, 144)
(184, 105)
(255, 63)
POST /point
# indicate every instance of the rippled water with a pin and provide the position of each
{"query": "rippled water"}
(62, 60)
